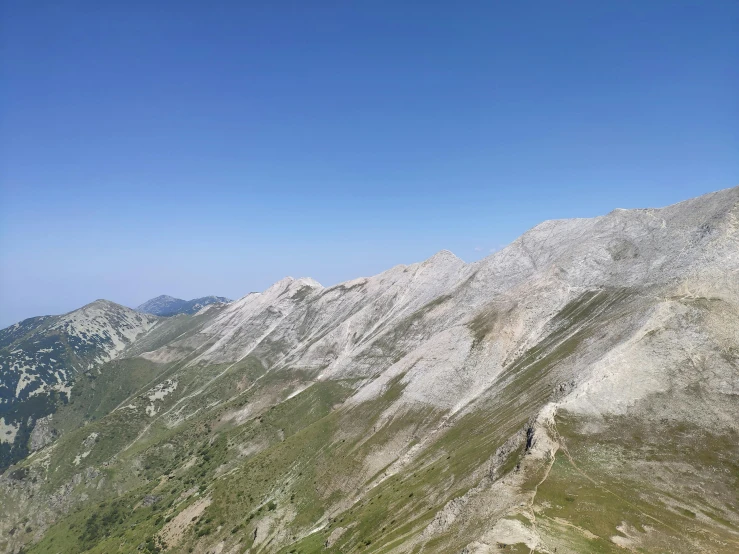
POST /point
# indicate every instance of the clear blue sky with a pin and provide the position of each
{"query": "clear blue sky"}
(194, 148)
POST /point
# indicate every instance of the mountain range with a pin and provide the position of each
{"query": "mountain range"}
(577, 391)
(168, 306)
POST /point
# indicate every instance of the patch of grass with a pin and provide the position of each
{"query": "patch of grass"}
(607, 484)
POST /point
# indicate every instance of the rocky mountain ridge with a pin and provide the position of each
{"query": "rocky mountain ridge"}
(570, 393)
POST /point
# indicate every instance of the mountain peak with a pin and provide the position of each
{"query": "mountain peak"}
(163, 298)
(102, 303)
(165, 305)
(444, 256)
(308, 282)
(291, 283)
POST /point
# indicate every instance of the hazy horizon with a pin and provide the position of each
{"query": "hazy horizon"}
(480, 253)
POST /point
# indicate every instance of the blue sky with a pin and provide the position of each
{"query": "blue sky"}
(189, 148)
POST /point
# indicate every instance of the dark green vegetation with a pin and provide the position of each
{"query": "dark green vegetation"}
(33, 356)
(24, 414)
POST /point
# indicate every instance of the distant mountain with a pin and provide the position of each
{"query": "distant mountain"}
(40, 356)
(166, 306)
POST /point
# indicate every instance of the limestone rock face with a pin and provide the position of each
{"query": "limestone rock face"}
(42, 434)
